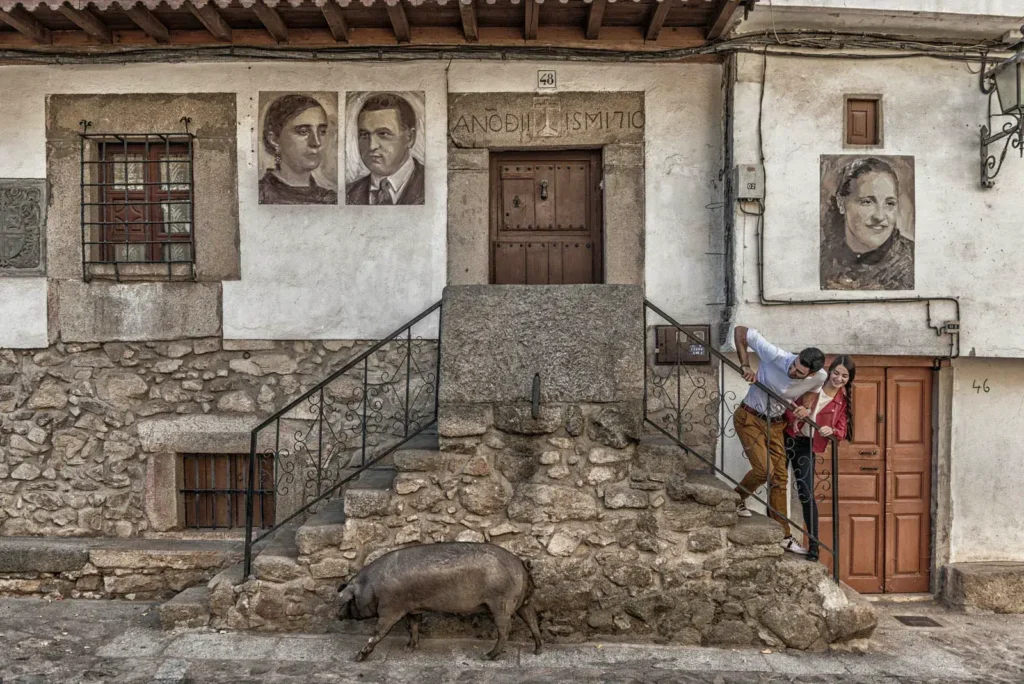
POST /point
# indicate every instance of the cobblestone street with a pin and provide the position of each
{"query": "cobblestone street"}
(70, 642)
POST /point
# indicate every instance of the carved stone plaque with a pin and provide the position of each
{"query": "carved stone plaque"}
(22, 227)
(592, 119)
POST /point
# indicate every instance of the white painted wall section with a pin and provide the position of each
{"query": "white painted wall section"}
(987, 465)
(967, 240)
(23, 313)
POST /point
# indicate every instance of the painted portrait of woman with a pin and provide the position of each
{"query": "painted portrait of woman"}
(867, 223)
(298, 148)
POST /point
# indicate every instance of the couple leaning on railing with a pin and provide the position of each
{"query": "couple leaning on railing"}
(802, 415)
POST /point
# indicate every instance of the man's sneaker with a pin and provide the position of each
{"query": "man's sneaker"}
(741, 510)
(793, 546)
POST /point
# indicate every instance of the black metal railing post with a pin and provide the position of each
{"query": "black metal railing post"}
(835, 507)
(249, 501)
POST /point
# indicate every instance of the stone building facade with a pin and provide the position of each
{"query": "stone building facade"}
(111, 374)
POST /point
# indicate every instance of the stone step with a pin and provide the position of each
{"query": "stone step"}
(370, 494)
(324, 529)
(190, 608)
(276, 562)
(997, 586)
(660, 455)
(755, 531)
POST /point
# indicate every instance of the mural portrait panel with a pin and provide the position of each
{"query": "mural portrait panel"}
(298, 148)
(384, 148)
(867, 222)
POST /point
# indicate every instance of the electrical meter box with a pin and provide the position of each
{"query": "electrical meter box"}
(748, 180)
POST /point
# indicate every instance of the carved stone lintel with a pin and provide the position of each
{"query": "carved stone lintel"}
(22, 227)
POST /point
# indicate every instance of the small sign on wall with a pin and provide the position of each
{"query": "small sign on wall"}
(675, 347)
(546, 79)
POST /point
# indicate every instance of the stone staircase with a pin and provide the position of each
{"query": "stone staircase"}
(641, 542)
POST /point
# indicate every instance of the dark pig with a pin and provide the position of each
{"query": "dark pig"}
(448, 577)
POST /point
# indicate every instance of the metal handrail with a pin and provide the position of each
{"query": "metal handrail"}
(366, 463)
(833, 442)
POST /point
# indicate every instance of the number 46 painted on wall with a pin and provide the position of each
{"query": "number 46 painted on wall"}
(983, 386)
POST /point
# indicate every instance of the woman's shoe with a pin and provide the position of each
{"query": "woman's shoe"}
(741, 510)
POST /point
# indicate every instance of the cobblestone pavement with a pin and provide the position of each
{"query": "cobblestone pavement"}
(72, 642)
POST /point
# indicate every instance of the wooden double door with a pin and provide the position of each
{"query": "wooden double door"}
(884, 483)
(546, 225)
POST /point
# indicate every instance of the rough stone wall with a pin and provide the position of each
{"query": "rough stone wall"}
(73, 417)
(622, 538)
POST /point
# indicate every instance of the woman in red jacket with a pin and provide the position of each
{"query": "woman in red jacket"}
(831, 409)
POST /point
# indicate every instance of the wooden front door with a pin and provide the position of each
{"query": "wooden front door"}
(546, 223)
(884, 484)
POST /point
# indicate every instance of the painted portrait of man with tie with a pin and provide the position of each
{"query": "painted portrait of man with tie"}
(387, 128)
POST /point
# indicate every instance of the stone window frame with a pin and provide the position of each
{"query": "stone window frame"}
(213, 123)
(623, 174)
(165, 439)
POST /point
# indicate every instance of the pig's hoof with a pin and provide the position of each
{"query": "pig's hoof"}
(361, 656)
(410, 647)
(492, 655)
(538, 650)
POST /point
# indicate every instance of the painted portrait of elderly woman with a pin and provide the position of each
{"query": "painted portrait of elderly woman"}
(867, 222)
(298, 148)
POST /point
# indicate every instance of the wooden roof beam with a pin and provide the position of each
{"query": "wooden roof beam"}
(469, 24)
(721, 17)
(335, 21)
(658, 19)
(211, 20)
(24, 23)
(399, 22)
(272, 21)
(532, 20)
(148, 22)
(594, 18)
(88, 22)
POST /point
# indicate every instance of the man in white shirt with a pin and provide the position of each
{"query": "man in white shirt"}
(760, 418)
(387, 133)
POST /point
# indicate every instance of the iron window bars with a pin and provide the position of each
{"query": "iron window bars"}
(214, 488)
(137, 203)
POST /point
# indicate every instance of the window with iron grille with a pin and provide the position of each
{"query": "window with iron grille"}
(214, 486)
(137, 205)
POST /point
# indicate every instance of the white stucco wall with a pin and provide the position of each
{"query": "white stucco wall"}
(337, 272)
(23, 313)
(968, 240)
(987, 467)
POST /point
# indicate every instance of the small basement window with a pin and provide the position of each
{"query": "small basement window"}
(137, 206)
(863, 120)
(214, 486)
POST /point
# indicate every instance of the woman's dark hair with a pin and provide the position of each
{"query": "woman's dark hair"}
(847, 363)
(281, 111)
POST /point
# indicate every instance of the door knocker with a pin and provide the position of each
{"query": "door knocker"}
(515, 202)
(544, 190)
